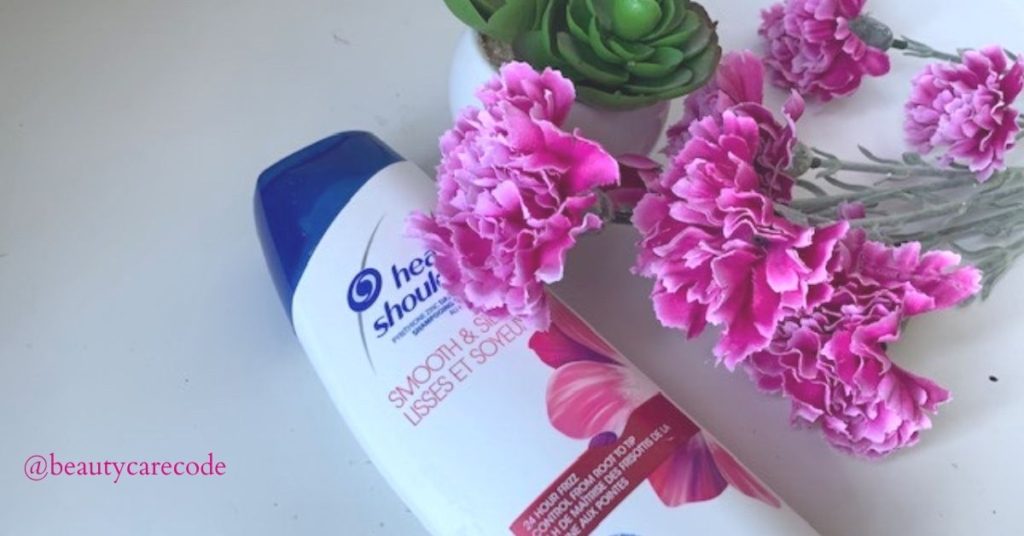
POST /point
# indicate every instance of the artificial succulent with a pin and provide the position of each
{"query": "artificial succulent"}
(624, 53)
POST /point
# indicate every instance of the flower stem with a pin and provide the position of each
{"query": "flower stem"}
(901, 170)
(829, 165)
(942, 208)
(1003, 220)
(877, 34)
(993, 261)
(917, 49)
(983, 197)
(610, 212)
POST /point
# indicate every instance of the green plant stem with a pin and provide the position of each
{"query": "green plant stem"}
(880, 35)
(942, 208)
(901, 170)
(918, 49)
(609, 212)
(985, 196)
(817, 205)
(1005, 220)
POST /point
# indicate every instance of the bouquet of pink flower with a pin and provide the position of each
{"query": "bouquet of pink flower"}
(807, 291)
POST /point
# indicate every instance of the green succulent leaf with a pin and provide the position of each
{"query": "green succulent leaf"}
(504, 20)
(630, 51)
(624, 53)
(512, 20)
(585, 61)
(597, 43)
(671, 40)
(602, 9)
(487, 8)
(664, 84)
(468, 12)
(578, 21)
(691, 20)
(700, 41)
(673, 13)
(679, 31)
(537, 46)
(662, 63)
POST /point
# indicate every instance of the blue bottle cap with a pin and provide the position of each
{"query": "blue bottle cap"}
(299, 197)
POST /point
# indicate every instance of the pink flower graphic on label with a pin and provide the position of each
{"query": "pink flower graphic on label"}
(700, 471)
(586, 398)
(591, 396)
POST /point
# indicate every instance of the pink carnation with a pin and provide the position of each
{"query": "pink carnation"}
(812, 49)
(738, 87)
(831, 361)
(968, 109)
(715, 247)
(738, 80)
(543, 95)
(515, 191)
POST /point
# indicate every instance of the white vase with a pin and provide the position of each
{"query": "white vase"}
(619, 131)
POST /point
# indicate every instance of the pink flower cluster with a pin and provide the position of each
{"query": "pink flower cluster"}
(716, 247)
(968, 109)
(812, 48)
(808, 310)
(515, 192)
(712, 240)
(831, 361)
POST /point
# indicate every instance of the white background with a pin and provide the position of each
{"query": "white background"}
(137, 320)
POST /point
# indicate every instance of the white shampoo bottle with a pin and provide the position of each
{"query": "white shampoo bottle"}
(483, 427)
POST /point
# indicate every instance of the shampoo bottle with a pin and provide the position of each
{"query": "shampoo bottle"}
(482, 426)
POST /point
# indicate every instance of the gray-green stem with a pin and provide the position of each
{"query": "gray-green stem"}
(917, 49)
(942, 208)
(828, 165)
(879, 35)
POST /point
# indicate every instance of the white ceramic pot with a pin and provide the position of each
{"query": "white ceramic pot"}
(620, 132)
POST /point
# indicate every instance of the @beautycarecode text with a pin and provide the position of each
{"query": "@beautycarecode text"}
(38, 467)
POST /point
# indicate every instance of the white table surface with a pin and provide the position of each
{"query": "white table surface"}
(137, 320)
